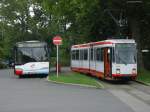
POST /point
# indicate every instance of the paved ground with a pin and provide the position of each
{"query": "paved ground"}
(38, 95)
(133, 94)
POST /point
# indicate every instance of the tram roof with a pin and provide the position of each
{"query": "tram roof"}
(105, 42)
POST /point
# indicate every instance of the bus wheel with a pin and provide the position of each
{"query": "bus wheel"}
(20, 76)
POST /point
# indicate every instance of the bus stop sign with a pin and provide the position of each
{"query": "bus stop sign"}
(57, 40)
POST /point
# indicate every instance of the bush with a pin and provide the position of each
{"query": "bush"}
(63, 61)
(2, 66)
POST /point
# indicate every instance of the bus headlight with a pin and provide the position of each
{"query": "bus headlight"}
(118, 71)
(133, 71)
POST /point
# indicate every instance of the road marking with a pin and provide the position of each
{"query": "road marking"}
(135, 104)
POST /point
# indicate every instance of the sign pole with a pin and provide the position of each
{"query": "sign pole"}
(57, 40)
(57, 59)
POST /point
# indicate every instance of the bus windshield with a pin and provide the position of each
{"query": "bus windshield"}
(31, 54)
(125, 53)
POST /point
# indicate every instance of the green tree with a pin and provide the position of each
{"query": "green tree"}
(77, 21)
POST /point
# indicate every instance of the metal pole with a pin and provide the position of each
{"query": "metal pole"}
(57, 61)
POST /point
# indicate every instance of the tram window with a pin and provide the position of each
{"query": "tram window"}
(91, 54)
(113, 57)
(94, 54)
(73, 55)
(102, 53)
(85, 54)
(81, 54)
(98, 54)
(77, 54)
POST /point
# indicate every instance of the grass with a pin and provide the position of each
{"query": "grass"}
(144, 76)
(75, 78)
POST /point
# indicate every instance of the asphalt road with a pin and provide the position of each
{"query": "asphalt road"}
(38, 95)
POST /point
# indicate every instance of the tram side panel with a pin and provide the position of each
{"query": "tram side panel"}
(74, 59)
(84, 60)
(80, 59)
(99, 64)
(92, 62)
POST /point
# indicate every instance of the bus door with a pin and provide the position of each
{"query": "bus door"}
(107, 62)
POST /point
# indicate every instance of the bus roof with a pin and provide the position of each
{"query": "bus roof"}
(32, 43)
(105, 42)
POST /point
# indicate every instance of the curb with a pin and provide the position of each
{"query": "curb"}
(144, 83)
(81, 85)
(102, 86)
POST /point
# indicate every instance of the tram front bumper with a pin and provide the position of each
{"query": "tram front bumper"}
(132, 76)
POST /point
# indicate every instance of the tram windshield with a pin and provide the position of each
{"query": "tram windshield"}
(125, 53)
(31, 54)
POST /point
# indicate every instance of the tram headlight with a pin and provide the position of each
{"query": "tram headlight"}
(118, 71)
(133, 71)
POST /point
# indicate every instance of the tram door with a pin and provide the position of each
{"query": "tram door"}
(107, 62)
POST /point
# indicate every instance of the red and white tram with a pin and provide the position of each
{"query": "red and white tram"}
(108, 59)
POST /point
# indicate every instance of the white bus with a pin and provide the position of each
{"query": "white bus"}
(31, 58)
(108, 59)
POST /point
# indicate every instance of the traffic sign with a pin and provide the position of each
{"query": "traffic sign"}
(57, 40)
